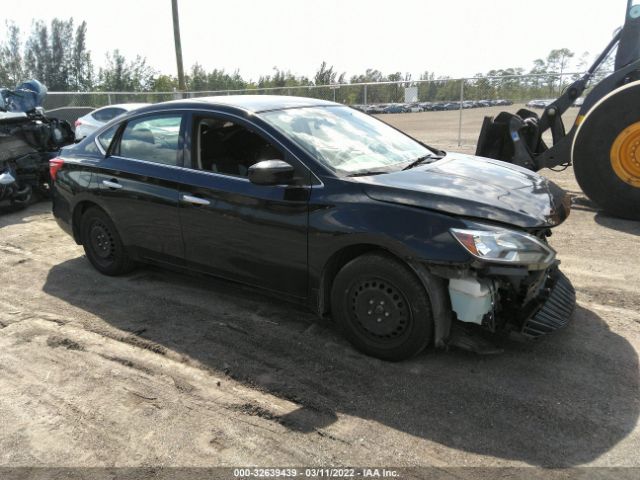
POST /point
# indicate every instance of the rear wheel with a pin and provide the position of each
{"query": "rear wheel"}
(102, 244)
(382, 307)
(606, 153)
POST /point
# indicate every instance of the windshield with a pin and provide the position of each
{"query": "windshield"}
(346, 140)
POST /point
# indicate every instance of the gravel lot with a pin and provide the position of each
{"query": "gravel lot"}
(160, 368)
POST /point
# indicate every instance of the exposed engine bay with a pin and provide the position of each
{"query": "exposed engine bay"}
(525, 301)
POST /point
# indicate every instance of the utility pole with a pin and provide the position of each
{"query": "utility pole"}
(176, 37)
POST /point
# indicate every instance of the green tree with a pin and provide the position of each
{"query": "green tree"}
(164, 83)
(81, 77)
(61, 55)
(480, 88)
(446, 89)
(607, 66)
(427, 90)
(325, 75)
(57, 57)
(539, 82)
(197, 79)
(122, 75)
(280, 79)
(219, 79)
(557, 62)
(11, 64)
(38, 53)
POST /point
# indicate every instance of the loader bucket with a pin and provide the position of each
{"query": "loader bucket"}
(495, 141)
(511, 137)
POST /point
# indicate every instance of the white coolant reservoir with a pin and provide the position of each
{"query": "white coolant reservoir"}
(471, 298)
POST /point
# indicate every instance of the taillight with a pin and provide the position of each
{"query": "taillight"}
(55, 164)
(77, 123)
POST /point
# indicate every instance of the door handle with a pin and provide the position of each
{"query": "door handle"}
(195, 200)
(111, 184)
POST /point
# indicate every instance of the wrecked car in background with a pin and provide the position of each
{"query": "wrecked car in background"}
(402, 244)
(28, 140)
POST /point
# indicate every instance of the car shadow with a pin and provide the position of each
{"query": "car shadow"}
(562, 402)
(580, 202)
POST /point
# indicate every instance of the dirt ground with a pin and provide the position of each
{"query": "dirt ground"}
(163, 369)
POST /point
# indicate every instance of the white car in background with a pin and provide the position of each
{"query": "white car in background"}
(94, 120)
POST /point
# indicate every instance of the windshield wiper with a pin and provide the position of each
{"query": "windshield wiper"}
(366, 173)
(421, 160)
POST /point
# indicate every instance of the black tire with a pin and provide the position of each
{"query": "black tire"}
(102, 243)
(20, 201)
(382, 307)
(592, 152)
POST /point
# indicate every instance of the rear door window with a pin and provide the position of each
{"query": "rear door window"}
(154, 138)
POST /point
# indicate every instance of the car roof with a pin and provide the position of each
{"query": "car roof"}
(251, 103)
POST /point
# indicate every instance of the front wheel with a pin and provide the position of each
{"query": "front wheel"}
(382, 307)
(102, 243)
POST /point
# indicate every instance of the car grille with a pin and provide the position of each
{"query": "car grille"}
(555, 312)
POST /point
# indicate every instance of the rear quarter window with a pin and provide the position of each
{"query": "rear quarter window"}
(105, 138)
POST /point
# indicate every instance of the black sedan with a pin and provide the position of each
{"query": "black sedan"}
(402, 244)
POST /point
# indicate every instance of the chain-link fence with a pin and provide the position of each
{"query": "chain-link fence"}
(436, 95)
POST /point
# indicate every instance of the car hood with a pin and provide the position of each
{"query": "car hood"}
(475, 187)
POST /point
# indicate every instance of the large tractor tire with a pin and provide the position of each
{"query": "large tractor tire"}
(606, 152)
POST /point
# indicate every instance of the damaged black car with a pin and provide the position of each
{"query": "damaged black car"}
(28, 140)
(402, 244)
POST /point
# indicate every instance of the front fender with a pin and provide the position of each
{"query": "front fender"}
(353, 224)
(410, 233)
(436, 288)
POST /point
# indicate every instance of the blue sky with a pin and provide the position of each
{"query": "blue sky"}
(448, 37)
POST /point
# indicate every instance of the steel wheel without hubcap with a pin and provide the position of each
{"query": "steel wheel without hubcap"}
(380, 311)
(382, 307)
(101, 241)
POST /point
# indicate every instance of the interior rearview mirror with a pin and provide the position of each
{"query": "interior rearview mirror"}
(271, 172)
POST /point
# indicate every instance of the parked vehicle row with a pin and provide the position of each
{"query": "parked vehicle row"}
(428, 106)
(544, 103)
(443, 106)
(540, 103)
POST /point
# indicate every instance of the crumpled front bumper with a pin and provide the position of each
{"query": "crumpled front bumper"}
(555, 312)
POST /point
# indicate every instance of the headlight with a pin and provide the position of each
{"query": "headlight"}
(504, 246)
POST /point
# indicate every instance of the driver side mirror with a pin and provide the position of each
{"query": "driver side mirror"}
(271, 172)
